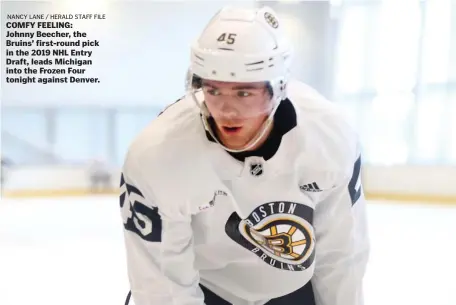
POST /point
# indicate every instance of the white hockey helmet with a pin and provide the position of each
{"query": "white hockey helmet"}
(242, 45)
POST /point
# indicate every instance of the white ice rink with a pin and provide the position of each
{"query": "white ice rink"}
(70, 252)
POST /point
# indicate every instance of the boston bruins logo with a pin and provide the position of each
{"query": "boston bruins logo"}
(280, 233)
(285, 239)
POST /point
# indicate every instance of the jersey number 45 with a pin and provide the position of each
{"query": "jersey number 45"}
(137, 217)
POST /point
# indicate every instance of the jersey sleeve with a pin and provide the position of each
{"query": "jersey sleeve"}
(158, 241)
(342, 243)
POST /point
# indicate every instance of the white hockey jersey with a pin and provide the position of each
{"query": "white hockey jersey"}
(249, 230)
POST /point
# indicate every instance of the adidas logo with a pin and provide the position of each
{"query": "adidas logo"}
(311, 187)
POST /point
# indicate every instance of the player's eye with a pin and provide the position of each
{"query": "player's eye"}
(243, 94)
(214, 92)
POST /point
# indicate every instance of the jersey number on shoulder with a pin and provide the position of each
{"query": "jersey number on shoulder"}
(229, 38)
(354, 187)
(137, 217)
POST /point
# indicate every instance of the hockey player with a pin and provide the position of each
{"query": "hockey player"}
(247, 190)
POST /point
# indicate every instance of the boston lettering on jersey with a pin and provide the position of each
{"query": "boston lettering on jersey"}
(280, 233)
(270, 208)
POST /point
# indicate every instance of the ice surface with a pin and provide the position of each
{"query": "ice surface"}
(70, 251)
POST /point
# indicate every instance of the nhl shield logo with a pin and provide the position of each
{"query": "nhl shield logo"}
(256, 169)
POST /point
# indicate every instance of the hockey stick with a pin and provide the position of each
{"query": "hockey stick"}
(127, 300)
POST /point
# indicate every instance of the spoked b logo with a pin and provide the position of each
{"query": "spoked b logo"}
(280, 233)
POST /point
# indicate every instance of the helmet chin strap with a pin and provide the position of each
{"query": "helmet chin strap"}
(259, 135)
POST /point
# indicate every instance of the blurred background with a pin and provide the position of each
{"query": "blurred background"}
(390, 64)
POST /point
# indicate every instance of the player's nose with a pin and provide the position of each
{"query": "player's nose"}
(228, 110)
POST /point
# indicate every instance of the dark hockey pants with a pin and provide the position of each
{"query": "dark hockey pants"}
(302, 296)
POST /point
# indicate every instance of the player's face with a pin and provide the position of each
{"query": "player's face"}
(238, 109)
